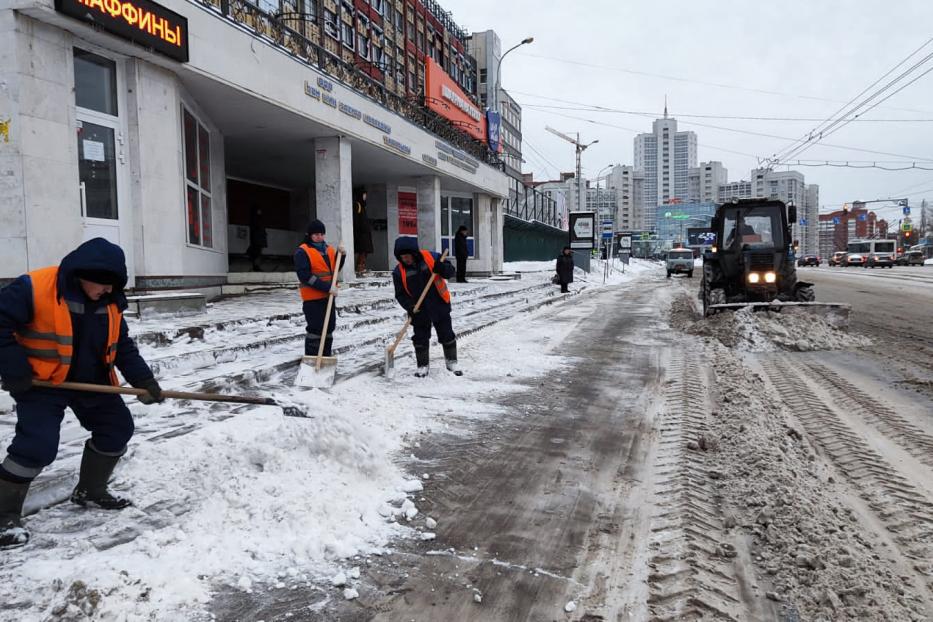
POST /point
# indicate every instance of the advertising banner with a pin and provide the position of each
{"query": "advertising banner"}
(407, 213)
(700, 237)
(446, 98)
(494, 130)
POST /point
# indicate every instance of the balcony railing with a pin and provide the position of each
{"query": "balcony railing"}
(289, 32)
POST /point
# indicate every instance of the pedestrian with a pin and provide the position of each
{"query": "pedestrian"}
(362, 231)
(461, 252)
(314, 263)
(564, 269)
(410, 277)
(65, 323)
(258, 239)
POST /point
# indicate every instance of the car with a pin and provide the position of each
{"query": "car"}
(679, 260)
(915, 258)
(855, 259)
(809, 260)
(880, 260)
(838, 258)
(902, 260)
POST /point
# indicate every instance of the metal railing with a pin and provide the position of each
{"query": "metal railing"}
(530, 204)
(289, 33)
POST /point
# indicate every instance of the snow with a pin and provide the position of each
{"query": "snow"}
(570, 607)
(928, 262)
(257, 500)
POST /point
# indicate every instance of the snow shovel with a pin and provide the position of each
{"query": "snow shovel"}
(319, 372)
(287, 410)
(390, 351)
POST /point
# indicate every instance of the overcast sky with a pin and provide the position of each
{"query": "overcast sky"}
(791, 59)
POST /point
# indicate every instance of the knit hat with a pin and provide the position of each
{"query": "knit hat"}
(316, 226)
(101, 277)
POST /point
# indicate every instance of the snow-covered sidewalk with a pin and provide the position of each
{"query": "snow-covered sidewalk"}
(257, 501)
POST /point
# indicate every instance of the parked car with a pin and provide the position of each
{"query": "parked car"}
(680, 260)
(855, 259)
(838, 258)
(809, 260)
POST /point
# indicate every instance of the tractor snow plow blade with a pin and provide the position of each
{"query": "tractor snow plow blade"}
(834, 313)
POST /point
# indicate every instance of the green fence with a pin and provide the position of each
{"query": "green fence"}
(536, 241)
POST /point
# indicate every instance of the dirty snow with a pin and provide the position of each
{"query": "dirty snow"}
(259, 500)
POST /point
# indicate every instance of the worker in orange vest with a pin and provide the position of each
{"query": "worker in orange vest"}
(410, 277)
(65, 323)
(314, 264)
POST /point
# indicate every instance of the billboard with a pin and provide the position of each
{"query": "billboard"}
(494, 130)
(583, 230)
(407, 213)
(446, 98)
(697, 236)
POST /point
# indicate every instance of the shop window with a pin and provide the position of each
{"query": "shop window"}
(456, 211)
(95, 82)
(197, 181)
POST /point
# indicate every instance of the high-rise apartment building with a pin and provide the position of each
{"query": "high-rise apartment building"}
(666, 157)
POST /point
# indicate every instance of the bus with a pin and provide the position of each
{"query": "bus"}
(871, 253)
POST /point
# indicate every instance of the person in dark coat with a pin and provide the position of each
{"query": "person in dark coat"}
(410, 277)
(362, 231)
(258, 239)
(564, 269)
(461, 252)
(65, 323)
(314, 265)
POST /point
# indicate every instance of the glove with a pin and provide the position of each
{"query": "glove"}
(412, 312)
(333, 291)
(153, 392)
(17, 385)
(438, 268)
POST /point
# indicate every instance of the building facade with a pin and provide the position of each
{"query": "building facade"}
(838, 227)
(194, 113)
(704, 182)
(665, 156)
(676, 219)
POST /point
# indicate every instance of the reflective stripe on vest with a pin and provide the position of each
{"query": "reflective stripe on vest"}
(48, 339)
(319, 270)
(440, 284)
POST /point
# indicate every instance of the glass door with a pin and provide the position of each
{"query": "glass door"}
(457, 210)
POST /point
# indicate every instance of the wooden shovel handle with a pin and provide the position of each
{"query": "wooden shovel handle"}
(330, 307)
(416, 308)
(177, 395)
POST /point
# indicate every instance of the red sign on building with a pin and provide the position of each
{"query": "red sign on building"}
(407, 213)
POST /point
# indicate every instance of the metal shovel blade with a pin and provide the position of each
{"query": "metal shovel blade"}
(389, 365)
(311, 377)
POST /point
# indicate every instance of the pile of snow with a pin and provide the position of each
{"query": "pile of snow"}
(928, 262)
(796, 329)
(260, 501)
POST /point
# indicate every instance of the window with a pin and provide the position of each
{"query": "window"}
(268, 6)
(482, 76)
(348, 35)
(95, 82)
(399, 19)
(97, 170)
(378, 6)
(330, 24)
(363, 38)
(198, 181)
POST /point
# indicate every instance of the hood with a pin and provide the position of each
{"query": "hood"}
(96, 254)
(406, 244)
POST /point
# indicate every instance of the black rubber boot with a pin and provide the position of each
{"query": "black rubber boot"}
(423, 357)
(450, 356)
(12, 532)
(96, 469)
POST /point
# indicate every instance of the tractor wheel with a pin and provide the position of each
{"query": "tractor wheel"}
(717, 297)
(668, 274)
(805, 294)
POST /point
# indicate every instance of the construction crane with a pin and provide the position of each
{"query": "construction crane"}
(580, 148)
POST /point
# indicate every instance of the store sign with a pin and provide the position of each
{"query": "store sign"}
(583, 230)
(407, 213)
(444, 96)
(140, 21)
(700, 236)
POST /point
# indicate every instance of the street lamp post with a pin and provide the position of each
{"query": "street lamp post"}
(495, 94)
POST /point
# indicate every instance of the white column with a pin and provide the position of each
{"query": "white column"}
(429, 212)
(497, 222)
(333, 192)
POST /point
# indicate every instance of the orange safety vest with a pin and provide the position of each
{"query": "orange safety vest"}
(439, 283)
(49, 339)
(320, 269)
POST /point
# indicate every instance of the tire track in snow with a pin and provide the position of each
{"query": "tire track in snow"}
(906, 513)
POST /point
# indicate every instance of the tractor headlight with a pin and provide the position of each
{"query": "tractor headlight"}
(754, 277)
(770, 277)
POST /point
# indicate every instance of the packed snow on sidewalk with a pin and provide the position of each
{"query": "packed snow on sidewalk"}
(619, 273)
(259, 501)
